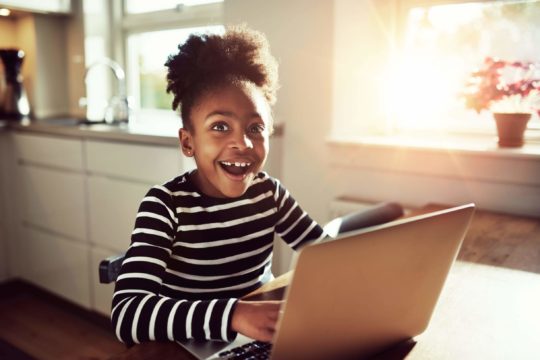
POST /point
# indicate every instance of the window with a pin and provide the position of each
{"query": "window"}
(147, 53)
(152, 32)
(138, 6)
(442, 44)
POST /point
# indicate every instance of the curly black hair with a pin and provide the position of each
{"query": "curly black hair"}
(205, 61)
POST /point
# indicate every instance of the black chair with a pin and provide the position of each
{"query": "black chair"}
(374, 215)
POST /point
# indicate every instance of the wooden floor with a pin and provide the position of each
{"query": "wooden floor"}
(47, 329)
(503, 240)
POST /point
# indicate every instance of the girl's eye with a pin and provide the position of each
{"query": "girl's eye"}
(220, 127)
(256, 129)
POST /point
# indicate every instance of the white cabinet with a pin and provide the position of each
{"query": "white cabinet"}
(51, 247)
(142, 163)
(113, 206)
(54, 200)
(65, 153)
(119, 175)
(52, 184)
(55, 263)
(78, 202)
(5, 209)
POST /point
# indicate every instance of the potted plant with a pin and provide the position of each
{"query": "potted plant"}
(510, 91)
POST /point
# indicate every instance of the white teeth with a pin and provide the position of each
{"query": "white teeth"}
(238, 164)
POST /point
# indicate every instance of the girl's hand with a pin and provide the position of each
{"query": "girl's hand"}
(256, 319)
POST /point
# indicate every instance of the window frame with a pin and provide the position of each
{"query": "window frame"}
(182, 17)
(402, 8)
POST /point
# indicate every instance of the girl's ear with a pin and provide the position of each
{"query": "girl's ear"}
(186, 142)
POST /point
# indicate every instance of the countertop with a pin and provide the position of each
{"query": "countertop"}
(164, 135)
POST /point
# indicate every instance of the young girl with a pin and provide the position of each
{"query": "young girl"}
(204, 239)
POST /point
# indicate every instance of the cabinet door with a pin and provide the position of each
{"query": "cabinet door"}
(5, 206)
(144, 163)
(54, 200)
(57, 264)
(51, 151)
(113, 206)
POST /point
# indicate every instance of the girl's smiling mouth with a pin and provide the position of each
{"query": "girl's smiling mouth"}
(238, 169)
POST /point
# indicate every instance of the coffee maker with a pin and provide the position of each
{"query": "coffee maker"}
(13, 100)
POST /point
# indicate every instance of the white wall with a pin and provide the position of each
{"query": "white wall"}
(75, 59)
(26, 40)
(51, 79)
(8, 31)
(363, 38)
(98, 40)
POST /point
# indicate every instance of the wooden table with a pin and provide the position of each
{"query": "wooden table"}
(484, 312)
(489, 307)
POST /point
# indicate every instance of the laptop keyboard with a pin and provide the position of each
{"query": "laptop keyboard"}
(255, 350)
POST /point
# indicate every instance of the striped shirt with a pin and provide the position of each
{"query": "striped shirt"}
(192, 256)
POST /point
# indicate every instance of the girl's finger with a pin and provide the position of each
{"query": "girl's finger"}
(269, 334)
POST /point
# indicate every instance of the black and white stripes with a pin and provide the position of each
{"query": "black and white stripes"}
(192, 256)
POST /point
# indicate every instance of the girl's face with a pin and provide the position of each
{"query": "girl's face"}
(228, 139)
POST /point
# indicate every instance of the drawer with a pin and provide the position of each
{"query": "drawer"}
(113, 207)
(54, 200)
(145, 163)
(56, 264)
(49, 150)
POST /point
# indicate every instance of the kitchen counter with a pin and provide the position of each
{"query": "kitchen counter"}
(164, 135)
(141, 133)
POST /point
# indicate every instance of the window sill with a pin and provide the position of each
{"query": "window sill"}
(451, 170)
(475, 158)
(477, 145)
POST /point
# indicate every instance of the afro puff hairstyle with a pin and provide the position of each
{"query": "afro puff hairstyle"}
(206, 61)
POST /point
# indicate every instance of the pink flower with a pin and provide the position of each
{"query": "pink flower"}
(487, 87)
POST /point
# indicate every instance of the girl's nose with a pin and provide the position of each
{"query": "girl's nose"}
(242, 141)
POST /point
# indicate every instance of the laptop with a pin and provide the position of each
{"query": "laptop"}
(362, 292)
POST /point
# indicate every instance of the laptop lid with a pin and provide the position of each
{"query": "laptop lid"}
(368, 289)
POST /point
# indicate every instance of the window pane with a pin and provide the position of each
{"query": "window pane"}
(443, 44)
(147, 54)
(140, 6)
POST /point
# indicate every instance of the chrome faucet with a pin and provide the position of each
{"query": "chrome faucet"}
(117, 110)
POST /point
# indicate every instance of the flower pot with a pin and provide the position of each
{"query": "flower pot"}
(511, 127)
